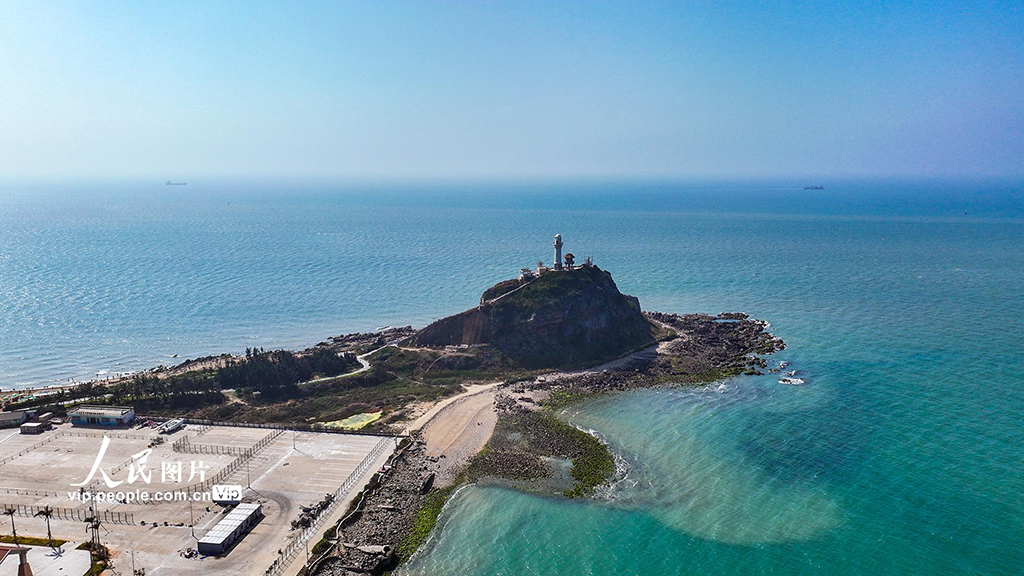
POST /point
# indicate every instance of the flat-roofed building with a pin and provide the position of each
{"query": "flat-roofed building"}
(231, 529)
(34, 427)
(12, 419)
(102, 416)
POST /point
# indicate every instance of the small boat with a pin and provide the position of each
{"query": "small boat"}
(169, 183)
(818, 187)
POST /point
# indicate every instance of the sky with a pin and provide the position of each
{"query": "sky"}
(423, 90)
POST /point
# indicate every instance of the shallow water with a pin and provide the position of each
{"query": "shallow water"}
(901, 453)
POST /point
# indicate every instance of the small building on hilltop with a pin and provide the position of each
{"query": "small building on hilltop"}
(567, 262)
(102, 416)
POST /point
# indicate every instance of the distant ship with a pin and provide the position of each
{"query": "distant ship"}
(818, 187)
(169, 183)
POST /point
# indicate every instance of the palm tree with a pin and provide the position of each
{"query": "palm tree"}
(10, 512)
(46, 513)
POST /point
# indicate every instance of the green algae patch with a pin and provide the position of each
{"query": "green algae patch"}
(525, 442)
(592, 466)
(558, 399)
(424, 522)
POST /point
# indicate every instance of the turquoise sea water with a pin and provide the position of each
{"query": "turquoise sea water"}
(901, 304)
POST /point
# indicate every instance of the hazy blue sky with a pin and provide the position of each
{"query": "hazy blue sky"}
(185, 90)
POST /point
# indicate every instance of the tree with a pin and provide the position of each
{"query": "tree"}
(46, 513)
(10, 512)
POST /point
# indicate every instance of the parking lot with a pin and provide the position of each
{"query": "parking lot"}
(283, 470)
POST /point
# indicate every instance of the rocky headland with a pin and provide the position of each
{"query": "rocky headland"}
(572, 318)
(558, 339)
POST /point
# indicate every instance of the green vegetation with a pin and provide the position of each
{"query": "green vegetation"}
(325, 542)
(552, 287)
(277, 373)
(271, 375)
(426, 519)
(32, 541)
(97, 568)
(99, 561)
(375, 390)
(503, 287)
(449, 367)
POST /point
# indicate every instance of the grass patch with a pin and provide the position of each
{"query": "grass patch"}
(99, 563)
(31, 541)
(97, 568)
(325, 542)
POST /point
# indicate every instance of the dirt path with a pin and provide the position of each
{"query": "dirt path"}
(364, 366)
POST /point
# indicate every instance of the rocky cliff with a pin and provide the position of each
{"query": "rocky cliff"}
(564, 319)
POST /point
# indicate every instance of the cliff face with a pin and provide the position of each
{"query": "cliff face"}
(567, 319)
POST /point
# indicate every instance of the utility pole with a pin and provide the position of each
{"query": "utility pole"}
(137, 572)
(192, 521)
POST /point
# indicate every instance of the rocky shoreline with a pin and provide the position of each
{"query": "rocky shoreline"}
(378, 533)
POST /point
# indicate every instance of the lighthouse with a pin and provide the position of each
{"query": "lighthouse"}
(558, 252)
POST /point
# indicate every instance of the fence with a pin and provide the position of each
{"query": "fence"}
(289, 552)
(74, 514)
(236, 463)
(294, 427)
(185, 445)
(27, 450)
(110, 433)
(357, 509)
(56, 435)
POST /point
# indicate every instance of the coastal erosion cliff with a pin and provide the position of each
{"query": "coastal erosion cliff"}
(561, 319)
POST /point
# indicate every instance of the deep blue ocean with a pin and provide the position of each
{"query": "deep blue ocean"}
(902, 304)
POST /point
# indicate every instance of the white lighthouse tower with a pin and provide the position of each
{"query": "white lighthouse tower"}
(558, 252)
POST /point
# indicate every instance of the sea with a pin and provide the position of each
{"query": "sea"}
(896, 448)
